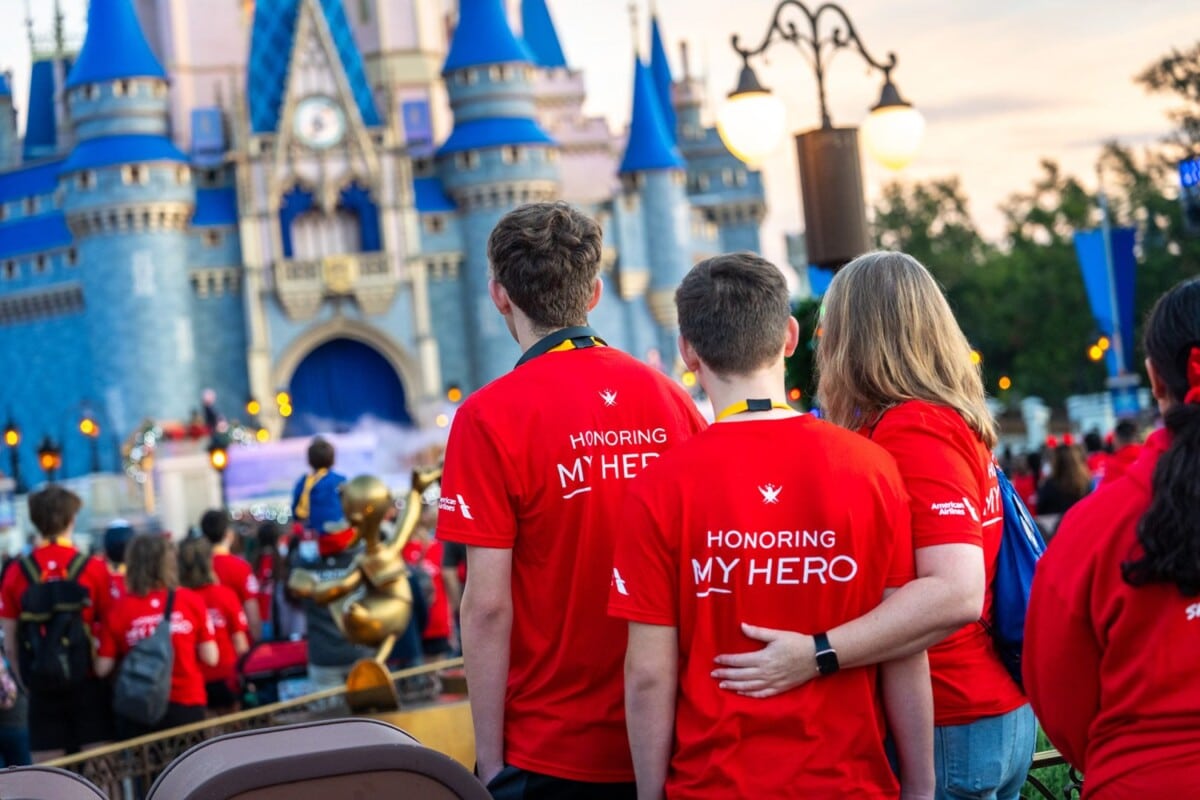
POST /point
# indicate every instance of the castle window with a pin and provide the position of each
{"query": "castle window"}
(702, 182)
(10, 270)
(528, 73)
(3, 212)
(91, 92)
(72, 257)
(466, 160)
(183, 175)
(160, 89)
(421, 166)
(551, 156)
(472, 76)
(364, 11)
(212, 238)
(739, 178)
(510, 155)
(495, 74)
(39, 265)
(85, 180)
(460, 78)
(435, 224)
(31, 205)
(211, 176)
(134, 175)
(120, 88)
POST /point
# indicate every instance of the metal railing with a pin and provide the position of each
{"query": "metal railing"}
(1052, 778)
(125, 770)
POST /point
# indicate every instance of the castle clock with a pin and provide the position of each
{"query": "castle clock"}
(319, 122)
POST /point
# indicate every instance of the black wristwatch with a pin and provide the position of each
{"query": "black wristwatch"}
(827, 660)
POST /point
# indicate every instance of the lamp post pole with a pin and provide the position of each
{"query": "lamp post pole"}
(831, 179)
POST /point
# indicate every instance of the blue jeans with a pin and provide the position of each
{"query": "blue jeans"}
(987, 759)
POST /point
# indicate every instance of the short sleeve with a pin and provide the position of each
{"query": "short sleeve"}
(940, 477)
(645, 575)
(199, 618)
(236, 615)
(251, 584)
(476, 505)
(10, 592)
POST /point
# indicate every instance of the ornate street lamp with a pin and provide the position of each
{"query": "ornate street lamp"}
(12, 439)
(752, 123)
(49, 458)
(218, 458)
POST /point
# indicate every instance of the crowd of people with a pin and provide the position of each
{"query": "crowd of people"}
(772, 605)
(777, 605)
(59, 605)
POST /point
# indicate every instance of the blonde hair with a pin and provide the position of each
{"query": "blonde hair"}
(888, 335)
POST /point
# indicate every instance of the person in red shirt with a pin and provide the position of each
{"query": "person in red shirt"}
(1128, 447)
(895, 365)
(59, 722)
(536, 465)
(116, 539)
(1112, 637)
(423, 552)
(151, 572)
(731, 526)
(232, 571)
(227, 618)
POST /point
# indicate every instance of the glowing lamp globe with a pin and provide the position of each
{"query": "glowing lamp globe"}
(893, 131)
(752, 121)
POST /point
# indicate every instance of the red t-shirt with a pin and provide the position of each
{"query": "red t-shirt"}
(235, 573)
(538, 462)
(113, 592)
(226, 616)
(1119, 462)
(1110, 668)
(428, 557)
(133, 618)
(954, 498)
(789, 523)
(53, 559)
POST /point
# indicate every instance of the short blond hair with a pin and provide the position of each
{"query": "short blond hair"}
(888, 336)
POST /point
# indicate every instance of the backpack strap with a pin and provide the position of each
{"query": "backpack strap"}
(32, 571)
(76, 567)
(170, 606)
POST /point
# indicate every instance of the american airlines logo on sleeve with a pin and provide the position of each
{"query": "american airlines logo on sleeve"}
(619, 582)
(455, 505)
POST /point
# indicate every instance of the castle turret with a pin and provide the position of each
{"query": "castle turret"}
(8, 124)
(653, 170)
(660, 70)
(540, 35)
(128, 201)
(497, 158)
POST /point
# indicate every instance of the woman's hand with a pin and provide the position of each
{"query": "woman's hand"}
(788, 660)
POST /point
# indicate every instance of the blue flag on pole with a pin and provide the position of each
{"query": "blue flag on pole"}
(1089, 249)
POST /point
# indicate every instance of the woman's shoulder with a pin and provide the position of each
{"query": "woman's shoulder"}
(926, 420)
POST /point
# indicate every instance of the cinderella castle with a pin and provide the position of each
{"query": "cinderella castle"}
(292, 198)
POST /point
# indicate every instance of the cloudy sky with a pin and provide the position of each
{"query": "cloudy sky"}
(1002, 84)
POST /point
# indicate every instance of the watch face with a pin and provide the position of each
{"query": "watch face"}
(319, 122)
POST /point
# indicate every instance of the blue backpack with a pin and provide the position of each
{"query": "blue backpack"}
(1021, 545)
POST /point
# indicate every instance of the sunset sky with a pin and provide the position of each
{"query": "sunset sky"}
(1001, 84)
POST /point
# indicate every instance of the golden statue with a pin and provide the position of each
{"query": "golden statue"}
(372, 603)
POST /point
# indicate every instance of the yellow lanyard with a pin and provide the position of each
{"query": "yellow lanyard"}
(569, 344)
(742, 406)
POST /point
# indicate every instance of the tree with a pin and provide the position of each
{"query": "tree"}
(1179, 73)
(802, 365)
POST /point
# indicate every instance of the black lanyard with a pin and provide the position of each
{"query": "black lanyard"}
(575, 338)
(742, 406)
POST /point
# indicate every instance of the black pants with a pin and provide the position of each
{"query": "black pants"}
(514, 783)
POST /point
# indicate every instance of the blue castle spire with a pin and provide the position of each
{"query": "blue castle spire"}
(650, 146)
(484, 37)
(537, 28)
(660, 68)
(115, 47)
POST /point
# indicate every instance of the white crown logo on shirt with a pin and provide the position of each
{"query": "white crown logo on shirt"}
(770, 493)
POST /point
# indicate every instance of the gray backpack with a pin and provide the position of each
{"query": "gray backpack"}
(143, 685)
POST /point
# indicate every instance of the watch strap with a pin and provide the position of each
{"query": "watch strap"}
(827, 660)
